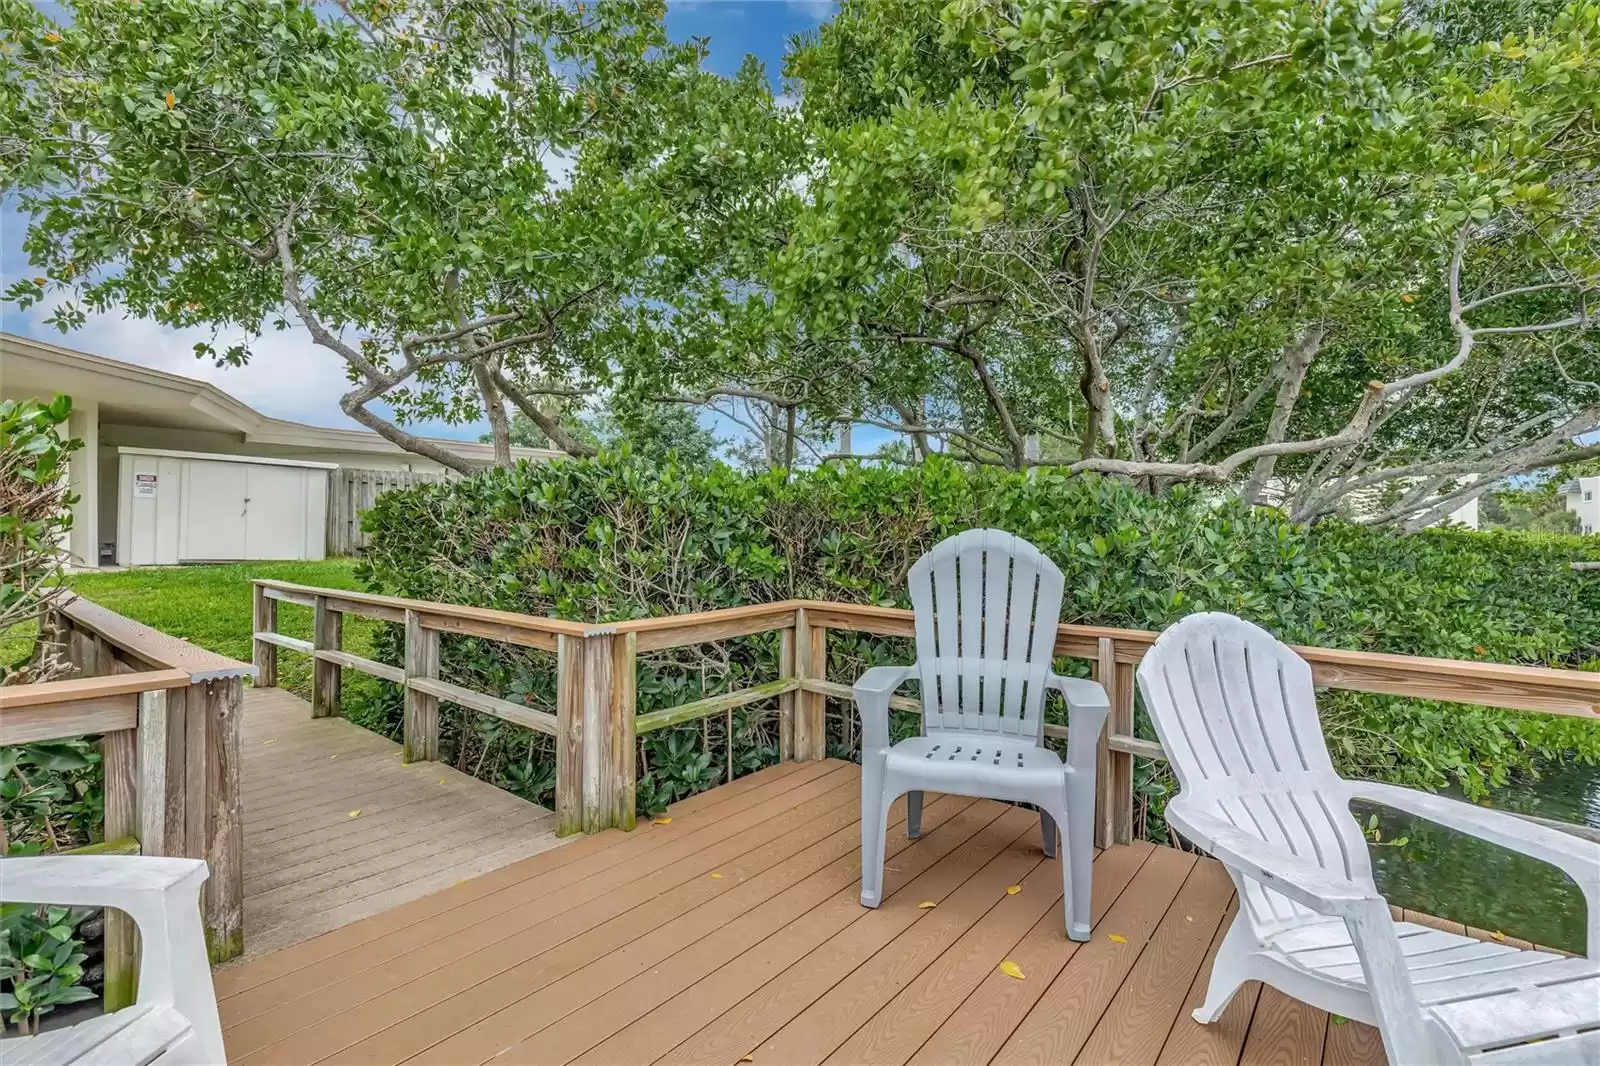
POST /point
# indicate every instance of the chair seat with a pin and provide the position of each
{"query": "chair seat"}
(137, 1036)
(977, 764)
(1484, 994)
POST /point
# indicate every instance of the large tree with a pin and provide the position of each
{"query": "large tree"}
(1315, 252)
(467, 203)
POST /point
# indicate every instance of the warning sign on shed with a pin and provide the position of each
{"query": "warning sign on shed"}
(144, 485)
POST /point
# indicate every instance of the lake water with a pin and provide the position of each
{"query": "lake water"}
(1455, 876)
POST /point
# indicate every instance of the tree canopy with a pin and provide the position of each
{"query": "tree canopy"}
(1339, 258)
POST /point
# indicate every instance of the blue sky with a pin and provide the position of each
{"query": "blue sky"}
(292, 378)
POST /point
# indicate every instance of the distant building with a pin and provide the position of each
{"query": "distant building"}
(1583, 499)
(175, 470)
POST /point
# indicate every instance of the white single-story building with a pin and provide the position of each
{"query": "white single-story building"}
(1582, 496)
(176, 470)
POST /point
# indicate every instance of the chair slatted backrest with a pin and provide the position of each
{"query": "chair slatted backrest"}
(1236, 712)
(987, 604)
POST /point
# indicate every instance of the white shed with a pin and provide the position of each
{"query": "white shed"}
(191, 507)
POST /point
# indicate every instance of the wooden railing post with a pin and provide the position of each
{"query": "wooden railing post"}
(787, 667)
(622, 744)
(1121, 719)
(1113, 822)
(810, 713)
(218, 704)
(119, 757)
(264, 655)
(569, 735)
(421, 722)
(1104, 669)
(327, 626)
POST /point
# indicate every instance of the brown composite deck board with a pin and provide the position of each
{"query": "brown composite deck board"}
(623, 948)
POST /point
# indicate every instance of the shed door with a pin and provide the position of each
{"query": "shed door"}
(275, 523)
(214, 505)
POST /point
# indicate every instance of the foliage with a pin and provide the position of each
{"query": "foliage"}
(651, 431)
(41, 961)
(617, 538)
(1304, 250)
(464, 203)
(35, 515)
(51, 796)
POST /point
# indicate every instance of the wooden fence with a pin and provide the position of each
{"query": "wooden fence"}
(168, 717)
(351, 493)
(595, 724)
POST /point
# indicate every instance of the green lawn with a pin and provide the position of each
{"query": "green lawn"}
(210, 606)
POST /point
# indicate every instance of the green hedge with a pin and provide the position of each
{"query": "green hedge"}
(615, 538)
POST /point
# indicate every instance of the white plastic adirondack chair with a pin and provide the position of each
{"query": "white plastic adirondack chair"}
(987, 604)
(174, 1022)
(1237, 714)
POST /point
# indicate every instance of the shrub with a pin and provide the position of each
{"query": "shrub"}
(615, 538)
(34, 516)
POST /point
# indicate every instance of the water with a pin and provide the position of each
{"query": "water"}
(1458, 877)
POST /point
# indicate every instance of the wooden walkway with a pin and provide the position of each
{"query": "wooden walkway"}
(733, 934)
(336, 828)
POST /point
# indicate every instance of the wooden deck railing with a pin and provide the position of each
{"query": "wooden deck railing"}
(595, 723)
(168, 717)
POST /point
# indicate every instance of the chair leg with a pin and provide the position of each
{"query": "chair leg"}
(913, 814)
(1228, 972)
(1047, 833)
(1078, 864)
(874, 825)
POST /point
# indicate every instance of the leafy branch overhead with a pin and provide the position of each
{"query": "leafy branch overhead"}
(1341, 258)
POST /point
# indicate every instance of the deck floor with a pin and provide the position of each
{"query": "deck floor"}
(336, 828)
(733, 934)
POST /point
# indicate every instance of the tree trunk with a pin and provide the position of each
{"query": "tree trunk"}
(494, 408)
(1297, 361)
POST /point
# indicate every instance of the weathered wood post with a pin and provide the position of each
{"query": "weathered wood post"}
(327, 634)
(787, 667)
(810, 714)
(421, 722)
(621, 743)
(218, 832)
(264, 655)
(569, 735)
(595, 707)
(119, 757)
(1114, 769)
(1104, 669)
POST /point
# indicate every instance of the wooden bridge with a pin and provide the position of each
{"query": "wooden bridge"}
(392, 910)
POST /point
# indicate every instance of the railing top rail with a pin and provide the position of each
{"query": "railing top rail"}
(157, 650)
(1508, 685)
(81, 689)
(510, 619)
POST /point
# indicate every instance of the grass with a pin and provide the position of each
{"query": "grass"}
(210, 606)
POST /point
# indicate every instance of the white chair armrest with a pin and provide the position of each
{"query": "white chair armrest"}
(872, 691)
(97, 880)
(1283, 872)
(162, 896)
(1087, 709)
(1579, 859)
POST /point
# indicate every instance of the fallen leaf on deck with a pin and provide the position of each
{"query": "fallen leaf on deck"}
(927, 904)
(1116, 938)
(441, 780)
(264, 743)
(1013, 890)
(716, 877)
(661, 821)
(1498, 936)
(1338, 1019)
(356, 813)
(1011, 969)
(748, 1058)
(333, 756)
